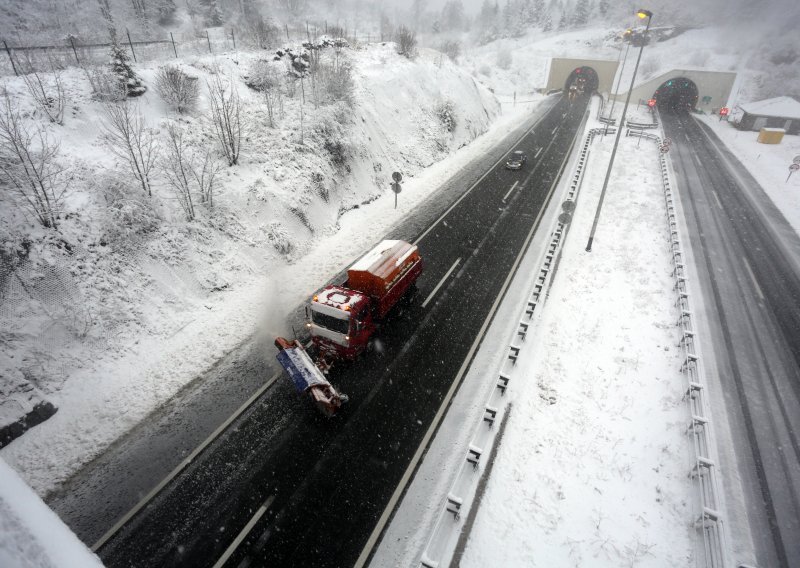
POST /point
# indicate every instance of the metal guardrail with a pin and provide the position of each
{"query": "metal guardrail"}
(710, 522)
(443, 540)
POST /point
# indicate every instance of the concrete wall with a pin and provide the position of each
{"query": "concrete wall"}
(560, 69)
(714, 84)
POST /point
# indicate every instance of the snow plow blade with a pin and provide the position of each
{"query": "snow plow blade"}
(306, 376)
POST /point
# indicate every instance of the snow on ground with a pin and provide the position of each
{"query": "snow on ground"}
(110, 332)
(592, 468)
(31, 535)
(599, 477)
(768, 163)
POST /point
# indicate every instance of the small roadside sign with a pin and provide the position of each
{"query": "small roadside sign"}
(664, 148)
(568, 206)
(651, 103)
(397, 176)
(796, 160)
(396, 188)
(792, 168)
(564, 218)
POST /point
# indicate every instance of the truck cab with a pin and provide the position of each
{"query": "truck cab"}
(341, 322)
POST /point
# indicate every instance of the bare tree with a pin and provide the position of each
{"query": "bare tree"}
(30, 167)
(406, 42)
(178, 170)
(206, 177)
(178, 89)
(451, 48)
(47, 94)
(264, 78)
(127, 136)
(226, 116)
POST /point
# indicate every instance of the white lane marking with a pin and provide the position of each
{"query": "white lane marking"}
(716, 197)
(245, 531)
(474, 185)
(181, 466)
(554, 130)
(753, 278)
(439, 285)
(539, 151)
(510, 190)
(401, 486)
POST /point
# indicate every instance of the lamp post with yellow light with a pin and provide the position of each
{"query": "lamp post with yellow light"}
(642, 14)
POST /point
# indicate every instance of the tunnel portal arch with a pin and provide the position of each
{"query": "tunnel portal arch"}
(584, 78)
(677, 95)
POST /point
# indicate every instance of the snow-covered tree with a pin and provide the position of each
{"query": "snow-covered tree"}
(582, 11)
(547, 22)
(453, 16)
(563, 23)
(122, 70)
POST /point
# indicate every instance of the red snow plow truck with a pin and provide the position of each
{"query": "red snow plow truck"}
(343, 318)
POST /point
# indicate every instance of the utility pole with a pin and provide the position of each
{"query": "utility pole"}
(642, 14)
(619, 80)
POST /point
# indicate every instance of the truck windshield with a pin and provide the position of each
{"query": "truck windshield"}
(330, 322)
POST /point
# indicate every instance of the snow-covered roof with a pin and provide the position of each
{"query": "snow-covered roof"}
(783, 107)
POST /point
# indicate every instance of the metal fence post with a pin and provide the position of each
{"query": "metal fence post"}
(11, 58)
(173, 44)
(130, 43)
(286, 27)
(233, 37)
(208, 39)
(75, 51)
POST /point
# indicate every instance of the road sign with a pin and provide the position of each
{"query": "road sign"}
(664, 148)
(796, 160)
(564, 218)
(724, 111)
(396, 187)
(667, 141)
(568, 206)
(651, 103)
(398, 177)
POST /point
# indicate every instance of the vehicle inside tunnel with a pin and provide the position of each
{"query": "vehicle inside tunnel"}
(677, 95)
(582, 80)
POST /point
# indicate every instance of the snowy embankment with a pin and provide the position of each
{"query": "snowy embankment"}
(592, 466)
(109, 322)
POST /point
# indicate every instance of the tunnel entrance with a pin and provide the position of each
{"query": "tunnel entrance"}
(584, 79)
(676, 95)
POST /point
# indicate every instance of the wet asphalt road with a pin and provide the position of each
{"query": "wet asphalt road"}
(749, 262)
(327, 481)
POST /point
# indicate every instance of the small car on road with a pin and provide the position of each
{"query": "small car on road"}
(516, 160)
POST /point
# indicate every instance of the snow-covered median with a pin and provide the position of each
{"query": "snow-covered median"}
(592, 468)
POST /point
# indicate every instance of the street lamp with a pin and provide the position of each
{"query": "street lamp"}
(642, 14)
(626, 35)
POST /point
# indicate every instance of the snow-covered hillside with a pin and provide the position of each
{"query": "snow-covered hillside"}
(127, 285)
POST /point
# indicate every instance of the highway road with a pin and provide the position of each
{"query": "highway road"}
(748, 262)
(289, 487)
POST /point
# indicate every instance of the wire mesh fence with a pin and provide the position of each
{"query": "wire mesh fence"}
(18, 59)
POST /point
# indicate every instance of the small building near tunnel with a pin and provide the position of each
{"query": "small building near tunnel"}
(779, 112)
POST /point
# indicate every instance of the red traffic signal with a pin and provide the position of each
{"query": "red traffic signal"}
(651, 103)
(724, 111)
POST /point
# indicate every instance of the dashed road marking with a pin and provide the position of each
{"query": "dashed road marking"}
(753, 278)
(439, 285)
(510, 190)
(245, 531)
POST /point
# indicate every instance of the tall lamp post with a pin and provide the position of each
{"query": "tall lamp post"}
(619, 79)
(642, 14)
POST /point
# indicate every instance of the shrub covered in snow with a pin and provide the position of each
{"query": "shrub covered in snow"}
(406, 42)
(178, 89)
(447, 115)
(279, 237)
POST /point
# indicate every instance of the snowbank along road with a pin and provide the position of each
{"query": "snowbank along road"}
(748, 259)
(285, 487)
